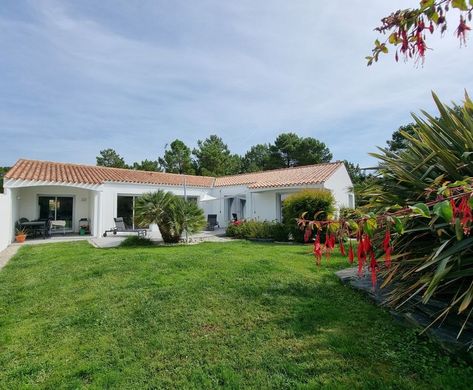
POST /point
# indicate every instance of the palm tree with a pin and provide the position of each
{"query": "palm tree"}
(171, 213)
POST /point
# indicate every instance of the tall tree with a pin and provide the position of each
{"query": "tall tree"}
(213, 158)
(312, 151)
(256, 159)
(398, 141)
(110, 158)
(283, 151)
(290, 150)
(147, 165)
(177, 159)
(3, 170)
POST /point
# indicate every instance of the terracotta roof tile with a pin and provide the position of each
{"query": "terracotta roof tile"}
(89, 174)
(306, 175)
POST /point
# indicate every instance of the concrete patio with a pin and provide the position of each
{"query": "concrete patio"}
(111, 241)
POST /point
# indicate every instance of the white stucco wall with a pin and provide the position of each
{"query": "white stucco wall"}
(110, 192)
(341, 186)
(5, 221)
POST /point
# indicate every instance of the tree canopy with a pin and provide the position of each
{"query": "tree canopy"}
(110, 158)
(147, 165)
(177, 159)
(213, 158)
(290, 150)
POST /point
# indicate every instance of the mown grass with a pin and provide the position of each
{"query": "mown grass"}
(236, 315)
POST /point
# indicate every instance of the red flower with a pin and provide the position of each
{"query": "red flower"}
(307, 234)
(317, 249)
(342, 248)
(462, 30)
(361, 254)
(373, 269)
(387, 248)
(465, 215)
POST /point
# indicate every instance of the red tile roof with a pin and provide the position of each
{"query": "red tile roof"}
(89, 174)
(297, 176)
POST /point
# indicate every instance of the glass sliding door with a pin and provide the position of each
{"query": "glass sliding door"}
(57, 208)
(126, 210)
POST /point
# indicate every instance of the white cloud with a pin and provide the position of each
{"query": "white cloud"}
(84, 77)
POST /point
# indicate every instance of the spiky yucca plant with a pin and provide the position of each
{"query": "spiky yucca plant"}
(433, 259)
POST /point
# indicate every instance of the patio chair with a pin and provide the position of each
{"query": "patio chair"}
(212, 221)
(57, 225)
(120, 227)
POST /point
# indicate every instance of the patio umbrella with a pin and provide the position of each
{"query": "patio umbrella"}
(207, 198)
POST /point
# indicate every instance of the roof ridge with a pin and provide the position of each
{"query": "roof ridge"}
(109, 168)
(284, 169)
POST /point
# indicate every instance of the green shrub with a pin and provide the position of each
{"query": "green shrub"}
(349, 213)
(433, 259)
(257, 229)
(132, 241)
(279, 232)
(171, 213)
(314, 202)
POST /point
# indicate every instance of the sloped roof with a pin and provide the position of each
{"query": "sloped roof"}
(47, 171)
(90, 174)
(297, 176)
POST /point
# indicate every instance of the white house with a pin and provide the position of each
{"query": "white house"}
(70, 192)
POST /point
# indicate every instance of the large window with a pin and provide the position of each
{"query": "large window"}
(126, 210)
(57, 208)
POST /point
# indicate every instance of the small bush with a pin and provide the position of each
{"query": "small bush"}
(349, 213)
(132, 241)
(311, 202)
(279, 232)
(257, 229)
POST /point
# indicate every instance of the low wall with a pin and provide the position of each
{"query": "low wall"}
(5, 229)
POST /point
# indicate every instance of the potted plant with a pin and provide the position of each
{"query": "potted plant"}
(20, 235)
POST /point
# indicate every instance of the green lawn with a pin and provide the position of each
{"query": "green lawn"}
(236, 315)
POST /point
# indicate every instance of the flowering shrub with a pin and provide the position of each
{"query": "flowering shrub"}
(423, 250)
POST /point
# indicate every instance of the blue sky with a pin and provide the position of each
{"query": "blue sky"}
(80, 76)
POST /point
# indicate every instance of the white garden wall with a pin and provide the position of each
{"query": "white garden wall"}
(5, 221)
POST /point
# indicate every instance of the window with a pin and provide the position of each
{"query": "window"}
(351, 201)
(126, 210)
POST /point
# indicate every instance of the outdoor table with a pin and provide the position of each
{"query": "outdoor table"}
(36, 226)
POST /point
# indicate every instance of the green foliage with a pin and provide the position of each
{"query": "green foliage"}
(256, 159)
(318, 204)
(213, 158)
(3, 171)
(258, 229)
(434, 258)
(439, 148)
(215, 315)
(348, 213)
(290, 150)
(136, 241)
(398, 141)
(110, 158)
(177, 159)
(172, 214)
(147, 165)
